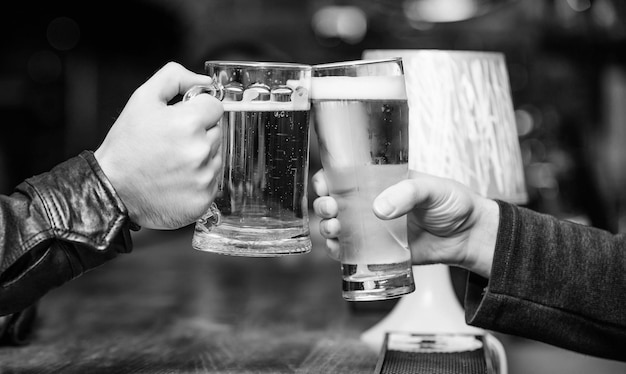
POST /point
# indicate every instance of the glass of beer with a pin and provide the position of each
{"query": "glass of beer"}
(261, 209)
(360, 114)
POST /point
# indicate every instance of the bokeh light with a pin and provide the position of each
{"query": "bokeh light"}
(63, 33)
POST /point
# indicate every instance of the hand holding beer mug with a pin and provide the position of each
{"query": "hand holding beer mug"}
(261, 209)
(361, 119)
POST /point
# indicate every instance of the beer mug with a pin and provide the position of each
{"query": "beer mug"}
(361, 119)
(261, 209)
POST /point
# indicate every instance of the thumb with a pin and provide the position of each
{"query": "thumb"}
(417, 191)
(396, 200)
(174, 79)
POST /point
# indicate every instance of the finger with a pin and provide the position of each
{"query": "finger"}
(325, 207)
(208, 109)
(320, 187)
(215, 157)
(330, 228)
(333, 249)
(214, 139)
(174, 79)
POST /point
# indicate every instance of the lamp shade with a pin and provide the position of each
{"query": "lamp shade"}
(461, 119)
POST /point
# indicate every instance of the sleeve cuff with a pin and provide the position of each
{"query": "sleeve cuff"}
(483, 298)
(80, 202)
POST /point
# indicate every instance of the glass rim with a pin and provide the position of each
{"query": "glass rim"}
(357, 62)
(257, 64)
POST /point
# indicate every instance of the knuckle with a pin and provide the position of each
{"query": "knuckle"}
(171, 67)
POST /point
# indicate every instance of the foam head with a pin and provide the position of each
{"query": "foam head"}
(358, 88)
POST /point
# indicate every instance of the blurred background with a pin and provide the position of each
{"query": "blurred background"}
(68, 67)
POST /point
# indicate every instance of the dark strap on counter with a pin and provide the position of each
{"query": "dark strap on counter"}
(17, 328)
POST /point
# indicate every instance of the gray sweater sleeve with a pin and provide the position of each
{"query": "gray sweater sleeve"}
(554, 281)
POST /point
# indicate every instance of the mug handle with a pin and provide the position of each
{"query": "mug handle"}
(214, 89)
(213, 216)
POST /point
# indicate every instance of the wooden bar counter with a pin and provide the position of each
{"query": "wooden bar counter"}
(167, 308)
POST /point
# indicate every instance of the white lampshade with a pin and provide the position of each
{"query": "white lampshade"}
(462, 123)
(461, 126)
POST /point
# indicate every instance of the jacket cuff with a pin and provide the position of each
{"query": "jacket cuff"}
(75, 222)
(483, 299)
(82, 206)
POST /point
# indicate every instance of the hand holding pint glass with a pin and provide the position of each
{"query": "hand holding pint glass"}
(360, 114)
(261, 209)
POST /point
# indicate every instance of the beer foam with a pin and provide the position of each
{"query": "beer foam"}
(358, 88)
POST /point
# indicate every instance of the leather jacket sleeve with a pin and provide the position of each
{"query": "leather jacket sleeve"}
(54, 227)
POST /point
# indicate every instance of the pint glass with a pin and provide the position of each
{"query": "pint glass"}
(361, 120)
(261, 208)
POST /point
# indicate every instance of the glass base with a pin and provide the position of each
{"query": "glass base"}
(250, 245)
(360, 283)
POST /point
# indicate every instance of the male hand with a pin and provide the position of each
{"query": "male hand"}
(446, 221)
(164, 160)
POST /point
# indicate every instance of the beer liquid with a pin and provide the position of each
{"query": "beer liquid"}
(262, 194)
(384, 243)
(364, 149)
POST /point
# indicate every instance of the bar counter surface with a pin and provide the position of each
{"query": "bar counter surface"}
(167, 308)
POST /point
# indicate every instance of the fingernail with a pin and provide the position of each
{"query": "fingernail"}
(383, 207)
(321, 207)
